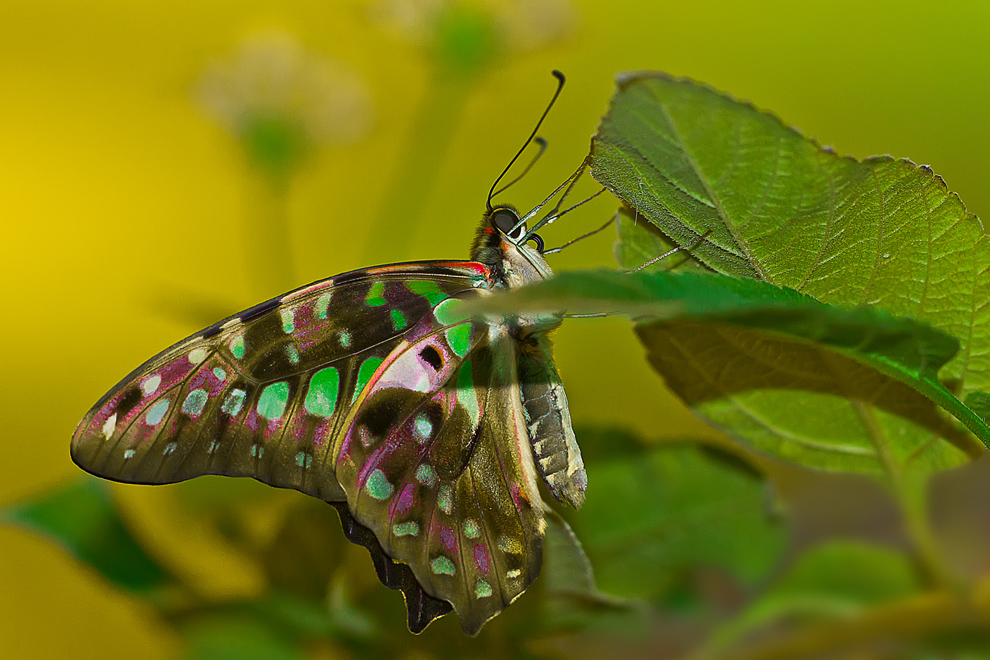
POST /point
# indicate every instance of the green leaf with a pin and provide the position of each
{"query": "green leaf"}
(789, 374)
(571, 599)
(979, 403)
(83, 518)
(881, 232)
(236, 636)
(653, 517)
(834, 580)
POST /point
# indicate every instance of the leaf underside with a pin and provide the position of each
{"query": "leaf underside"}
(779, 208)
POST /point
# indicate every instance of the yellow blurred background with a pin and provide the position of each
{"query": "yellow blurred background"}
(124, 202)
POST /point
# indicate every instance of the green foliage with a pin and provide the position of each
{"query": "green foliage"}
(83, 519)
(655, 516)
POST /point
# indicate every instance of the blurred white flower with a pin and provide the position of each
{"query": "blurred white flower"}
(520, 25)
(271, 78)
(531, 24)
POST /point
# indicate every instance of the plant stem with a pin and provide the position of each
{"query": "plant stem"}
(911, 498)
(418, 165)
(268, 255)
(912, 617)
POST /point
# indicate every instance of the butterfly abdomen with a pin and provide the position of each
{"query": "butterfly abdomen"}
(555, 449)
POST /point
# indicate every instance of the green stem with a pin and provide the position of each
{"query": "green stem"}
(910, 497)
(913, 617)
(416, 172)
(266, 237)
(929, 386)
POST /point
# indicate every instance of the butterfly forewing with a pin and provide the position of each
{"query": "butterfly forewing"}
(446, 489)
(262, 393)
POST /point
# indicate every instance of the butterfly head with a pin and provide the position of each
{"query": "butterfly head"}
(499, 245)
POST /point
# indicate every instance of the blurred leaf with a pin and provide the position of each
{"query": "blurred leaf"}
(833, 580)
(305, 551)
(231, 636)
(979, 403)
(781, 209)
(567, 569)
(787, 373)
(604, 442)
(650, 518)
(83, 518)
(571, 598)
(859, 573)
(958, 501)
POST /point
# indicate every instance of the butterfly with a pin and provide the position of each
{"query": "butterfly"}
(428, 430)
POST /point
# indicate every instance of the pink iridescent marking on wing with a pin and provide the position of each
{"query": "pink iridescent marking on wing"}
(401, 504)
(251, 420)
(165, 379)
(481, 557)
(305, 291)
(207, 376)
(448, 538)
(410, 371)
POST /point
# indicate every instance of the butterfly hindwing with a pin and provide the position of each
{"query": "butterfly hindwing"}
(262, 393)
(436, 461)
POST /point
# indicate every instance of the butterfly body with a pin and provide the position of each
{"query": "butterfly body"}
(428, 430)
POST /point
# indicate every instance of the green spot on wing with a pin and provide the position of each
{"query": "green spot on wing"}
(376, 295)
(471, 529)
(365, 373)
(467, 396)
(271, 404)
(427, 289)
(195, 402)
(156, 413)
(292, 352)
(322, 305)
(399, 319)
(237, 347)
(443, 566)
(410, 528)
(426, 475)
(450, 311)
(482, 589)
(288, 321)
(446, 499)
(234, 401)
(378, 486)
(459, 338)
(324, 387)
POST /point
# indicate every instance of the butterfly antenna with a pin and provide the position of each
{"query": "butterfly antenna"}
(536, 209)
(560, 85)
(680, 248)
(543, 147)
(582, 236)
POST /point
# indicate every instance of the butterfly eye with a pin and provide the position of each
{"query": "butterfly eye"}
(539, 242)
(505, 220)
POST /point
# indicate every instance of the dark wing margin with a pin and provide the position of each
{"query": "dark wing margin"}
(421, 607)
